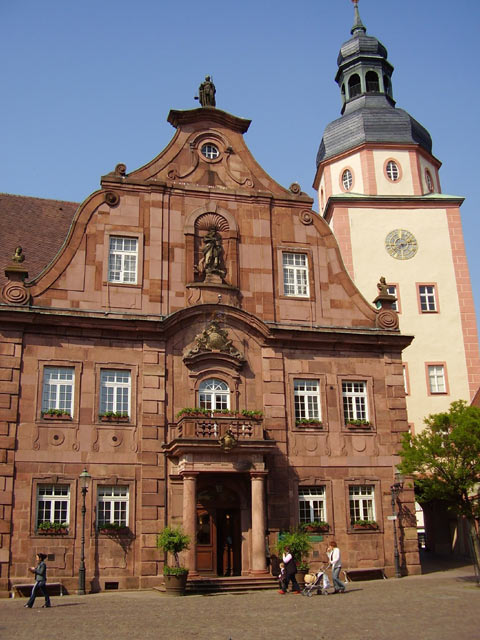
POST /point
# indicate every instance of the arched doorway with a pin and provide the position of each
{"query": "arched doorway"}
(219, 531)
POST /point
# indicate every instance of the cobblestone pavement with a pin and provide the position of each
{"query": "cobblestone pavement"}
(442, 605)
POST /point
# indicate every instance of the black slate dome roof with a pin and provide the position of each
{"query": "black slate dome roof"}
(375, 121)
(361, 45)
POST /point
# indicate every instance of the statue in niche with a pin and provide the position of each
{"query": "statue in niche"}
(211, 265)
(206, 93)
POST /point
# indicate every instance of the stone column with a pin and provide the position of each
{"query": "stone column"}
(259, 560)
(190, 518)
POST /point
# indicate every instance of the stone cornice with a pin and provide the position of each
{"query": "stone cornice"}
(210, 115)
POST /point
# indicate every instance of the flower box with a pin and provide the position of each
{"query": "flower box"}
(305, 422)
(114, 418)
(358, 424)
(56, 416)
(365, 526)
(311, 528)
(114, 531)
(52, 532)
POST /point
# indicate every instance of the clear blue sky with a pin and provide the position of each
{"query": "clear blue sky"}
(89, 84)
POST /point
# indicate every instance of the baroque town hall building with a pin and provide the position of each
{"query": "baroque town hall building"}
(190, 335)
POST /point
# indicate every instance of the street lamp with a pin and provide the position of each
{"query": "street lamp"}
(395, 489)
(84, 482)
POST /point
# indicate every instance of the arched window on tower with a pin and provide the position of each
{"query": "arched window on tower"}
(387, 85)
(372, 82)
(342, 91)
(354, 86)
(214, 394)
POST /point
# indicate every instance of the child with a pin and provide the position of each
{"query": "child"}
(281, 577)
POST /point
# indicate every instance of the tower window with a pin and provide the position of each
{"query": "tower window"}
(393, 172)
(429, 181)
(347, 179)
(387, 85)
(354, 86)
(372, 82)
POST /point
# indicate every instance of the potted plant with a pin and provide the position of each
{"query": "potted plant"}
(254, 414)
(56, 414)
(112, 528)
(316, 526)
(192, 412)
(114, 416)
(298, 541)
(358, 424)
(173, 540)
(52, 528)
(365, 524)
(312, 422)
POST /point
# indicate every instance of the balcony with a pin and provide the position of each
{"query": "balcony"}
(205, 432)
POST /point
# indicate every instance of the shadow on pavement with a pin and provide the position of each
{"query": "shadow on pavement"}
(432, 562)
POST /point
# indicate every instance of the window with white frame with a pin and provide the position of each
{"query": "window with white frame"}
(362, 502)
(354, 394)
(392, 290)
(295, 274)
(311, 504)
(392, 171)
(53, 503)
(405, 380)
(428, 298)
(214, 394)
(436, 378)
(122, 260)
(307, 399)
(115, 389)
(57, 390)
(112, 505)
(347, 179)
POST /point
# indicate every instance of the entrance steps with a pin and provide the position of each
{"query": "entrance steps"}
(230, 584)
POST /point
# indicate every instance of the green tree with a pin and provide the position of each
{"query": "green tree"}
(444, 460)
(174, 541)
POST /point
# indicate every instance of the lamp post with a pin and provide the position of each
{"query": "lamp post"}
(84, 482)
(395, 489)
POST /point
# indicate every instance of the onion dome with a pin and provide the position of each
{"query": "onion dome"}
(368, 108)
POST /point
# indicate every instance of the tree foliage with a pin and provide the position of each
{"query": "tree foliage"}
(173, 540)
(444, 459)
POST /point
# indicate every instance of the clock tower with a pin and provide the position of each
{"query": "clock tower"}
(379, 189)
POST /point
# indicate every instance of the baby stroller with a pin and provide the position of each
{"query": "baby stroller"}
(318, 582)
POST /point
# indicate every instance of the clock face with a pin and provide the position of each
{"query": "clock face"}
(401, 244)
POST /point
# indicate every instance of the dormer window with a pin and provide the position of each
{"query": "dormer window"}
(372, 82)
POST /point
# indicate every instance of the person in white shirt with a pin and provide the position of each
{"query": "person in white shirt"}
(290, 571)
(335, 561)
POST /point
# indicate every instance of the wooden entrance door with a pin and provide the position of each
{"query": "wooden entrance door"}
(206, 541)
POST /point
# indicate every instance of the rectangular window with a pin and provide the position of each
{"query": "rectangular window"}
(311, 503)
(427, 298)
(115, 391)
(307, 399)
(122, 260)
(405, 380)
(53, 503)
(392, 290)
(436, 378)
(354, 400)
(295, 274)
(112, 506)
(362, 502)
(57, 391)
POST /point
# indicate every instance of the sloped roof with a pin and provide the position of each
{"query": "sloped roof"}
(38, 225)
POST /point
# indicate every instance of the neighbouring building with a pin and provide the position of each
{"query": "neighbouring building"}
(193, 340)
(379, 189)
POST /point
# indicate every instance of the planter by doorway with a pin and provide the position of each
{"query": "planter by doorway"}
(175, 585)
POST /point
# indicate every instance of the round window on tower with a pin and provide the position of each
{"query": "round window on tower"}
(392, 171)
(210, 151)
(347, 179)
